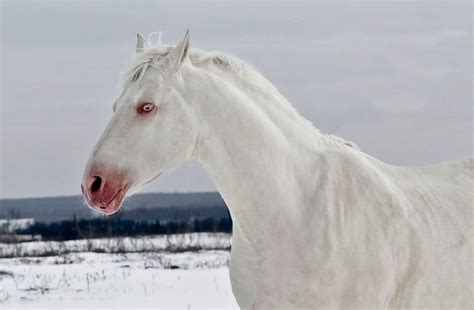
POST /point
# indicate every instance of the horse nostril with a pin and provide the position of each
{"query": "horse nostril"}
(96, 184)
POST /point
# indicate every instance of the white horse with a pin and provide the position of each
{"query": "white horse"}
(317, 222)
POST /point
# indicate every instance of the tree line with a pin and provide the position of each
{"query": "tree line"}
(101, 228)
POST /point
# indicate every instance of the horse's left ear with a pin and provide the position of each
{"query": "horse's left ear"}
(179, 54)
(142, 43)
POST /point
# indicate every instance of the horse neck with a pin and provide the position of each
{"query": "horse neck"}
(246, 142)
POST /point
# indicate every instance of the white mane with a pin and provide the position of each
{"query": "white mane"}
(156, 56)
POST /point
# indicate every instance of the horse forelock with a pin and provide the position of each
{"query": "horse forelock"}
(156, 57)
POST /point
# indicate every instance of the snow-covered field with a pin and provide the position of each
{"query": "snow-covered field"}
(183, 271)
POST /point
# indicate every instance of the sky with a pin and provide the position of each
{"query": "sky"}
(394, 77)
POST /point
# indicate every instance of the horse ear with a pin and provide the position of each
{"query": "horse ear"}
(141, 43)
(179, 54)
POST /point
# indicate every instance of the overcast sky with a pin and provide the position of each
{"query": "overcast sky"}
(394, 77)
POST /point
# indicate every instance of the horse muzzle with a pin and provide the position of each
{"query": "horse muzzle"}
(103, 190)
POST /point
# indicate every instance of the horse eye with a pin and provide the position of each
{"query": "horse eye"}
(145, 107)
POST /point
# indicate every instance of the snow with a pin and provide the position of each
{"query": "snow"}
(186, 279)
(173, 243)
(12, 225)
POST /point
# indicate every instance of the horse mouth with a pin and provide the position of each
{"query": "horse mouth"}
(114, 204)
(110, 206)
